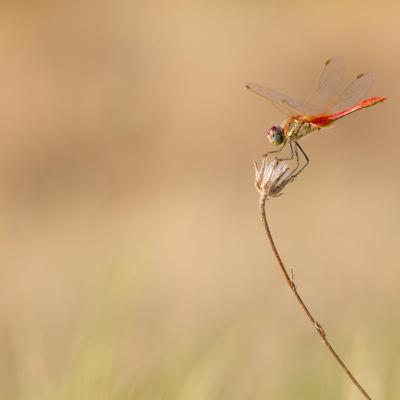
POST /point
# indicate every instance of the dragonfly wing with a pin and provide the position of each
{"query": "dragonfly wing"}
(354, 92)
(287, 104)
(326, 88)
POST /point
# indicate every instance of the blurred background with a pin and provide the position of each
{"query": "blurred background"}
(133, 260)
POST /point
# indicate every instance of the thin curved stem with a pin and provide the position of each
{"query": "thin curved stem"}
(292, 286)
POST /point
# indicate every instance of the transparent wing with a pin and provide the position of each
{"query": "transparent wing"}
(326, 88)
(287, 104)
(354, 92)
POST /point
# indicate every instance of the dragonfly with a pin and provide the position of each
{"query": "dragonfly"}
(326, 104)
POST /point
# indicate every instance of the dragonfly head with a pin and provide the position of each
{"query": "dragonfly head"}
(275, 135)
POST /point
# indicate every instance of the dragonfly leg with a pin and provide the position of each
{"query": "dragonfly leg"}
(292, 154)
(292, 170)
(274, 151)
(295, 173)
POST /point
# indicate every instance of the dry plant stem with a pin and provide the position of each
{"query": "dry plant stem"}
(292, 286)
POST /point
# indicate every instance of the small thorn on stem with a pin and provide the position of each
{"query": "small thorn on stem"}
(319, 328)
(292, 285)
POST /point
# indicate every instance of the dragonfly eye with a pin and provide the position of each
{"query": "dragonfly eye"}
(275, 135)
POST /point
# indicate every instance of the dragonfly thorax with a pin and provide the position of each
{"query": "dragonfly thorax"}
(297, 128)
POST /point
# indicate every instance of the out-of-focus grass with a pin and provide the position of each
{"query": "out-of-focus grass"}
(119, 355)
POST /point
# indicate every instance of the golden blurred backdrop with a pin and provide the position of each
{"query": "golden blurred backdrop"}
(133, 260)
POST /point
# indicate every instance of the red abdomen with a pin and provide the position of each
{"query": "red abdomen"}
(324, 120)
